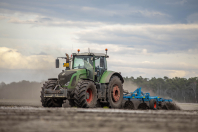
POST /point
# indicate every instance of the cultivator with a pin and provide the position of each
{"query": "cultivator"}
(140, 100)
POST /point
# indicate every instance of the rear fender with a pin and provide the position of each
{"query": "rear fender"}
(106, 76)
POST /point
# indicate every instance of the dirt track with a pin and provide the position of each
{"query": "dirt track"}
(29, 118)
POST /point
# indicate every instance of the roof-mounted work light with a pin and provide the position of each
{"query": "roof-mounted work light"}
(106, 50)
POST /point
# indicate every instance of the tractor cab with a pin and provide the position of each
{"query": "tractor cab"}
(94, 63)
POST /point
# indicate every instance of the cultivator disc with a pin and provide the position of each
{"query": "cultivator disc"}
(143, 106)
(128, 105)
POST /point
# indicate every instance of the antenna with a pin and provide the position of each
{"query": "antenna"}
(88, 50)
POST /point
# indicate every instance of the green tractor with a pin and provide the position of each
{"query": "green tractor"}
(85, 82)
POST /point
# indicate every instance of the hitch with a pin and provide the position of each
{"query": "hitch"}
(62, 93)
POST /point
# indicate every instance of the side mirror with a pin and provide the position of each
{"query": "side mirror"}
(57, 63)
(101, 62)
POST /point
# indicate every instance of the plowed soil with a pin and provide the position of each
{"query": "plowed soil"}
(28, 117)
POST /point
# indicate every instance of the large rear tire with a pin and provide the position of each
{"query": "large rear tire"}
(50, 102)
(85, 94)
(115, 92)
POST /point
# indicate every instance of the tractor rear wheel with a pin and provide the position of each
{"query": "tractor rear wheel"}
(50, 102)
(115, 92)
(85, 94)
(153, 104)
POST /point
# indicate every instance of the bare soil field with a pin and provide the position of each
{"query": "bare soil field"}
(29, 116)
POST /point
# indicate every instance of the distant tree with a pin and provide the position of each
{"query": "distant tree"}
(2, 84)
(180, 89)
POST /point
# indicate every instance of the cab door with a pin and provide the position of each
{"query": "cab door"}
(89, 66)
(84, 62)
(100, 67)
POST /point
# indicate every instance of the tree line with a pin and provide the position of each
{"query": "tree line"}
(179, 89)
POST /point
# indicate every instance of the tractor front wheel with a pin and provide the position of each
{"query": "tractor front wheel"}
(50, 102)
(85, 94)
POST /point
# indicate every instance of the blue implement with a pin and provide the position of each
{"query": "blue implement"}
(139, 95)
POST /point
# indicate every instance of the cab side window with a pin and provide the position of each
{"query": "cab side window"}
(100, 66)
(100, 62)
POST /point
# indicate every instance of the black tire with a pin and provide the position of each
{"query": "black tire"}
(81, 97)
(100, 105)
(115, 92)
(71, 103)
(50, 102)
(128, 105)
(43, 99)
(153, 104)
(143, 106)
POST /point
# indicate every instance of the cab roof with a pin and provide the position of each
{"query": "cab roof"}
(91, 54)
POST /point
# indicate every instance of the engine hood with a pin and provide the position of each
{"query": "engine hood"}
(65, 76)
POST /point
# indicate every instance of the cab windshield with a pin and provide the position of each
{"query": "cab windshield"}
(81, 62)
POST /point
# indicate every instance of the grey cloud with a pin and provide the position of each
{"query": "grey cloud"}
(176, 2)
(156, 66)
(102, 23)
(112, 11)
(136, 73)
(193, 18)
(154, 38)
(39, 21)
(42, 53)
(45, 19)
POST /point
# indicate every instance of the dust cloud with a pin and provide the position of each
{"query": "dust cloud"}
(129, 86)
(21, 93)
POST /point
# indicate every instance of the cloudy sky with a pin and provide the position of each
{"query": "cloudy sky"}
(148, 38)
